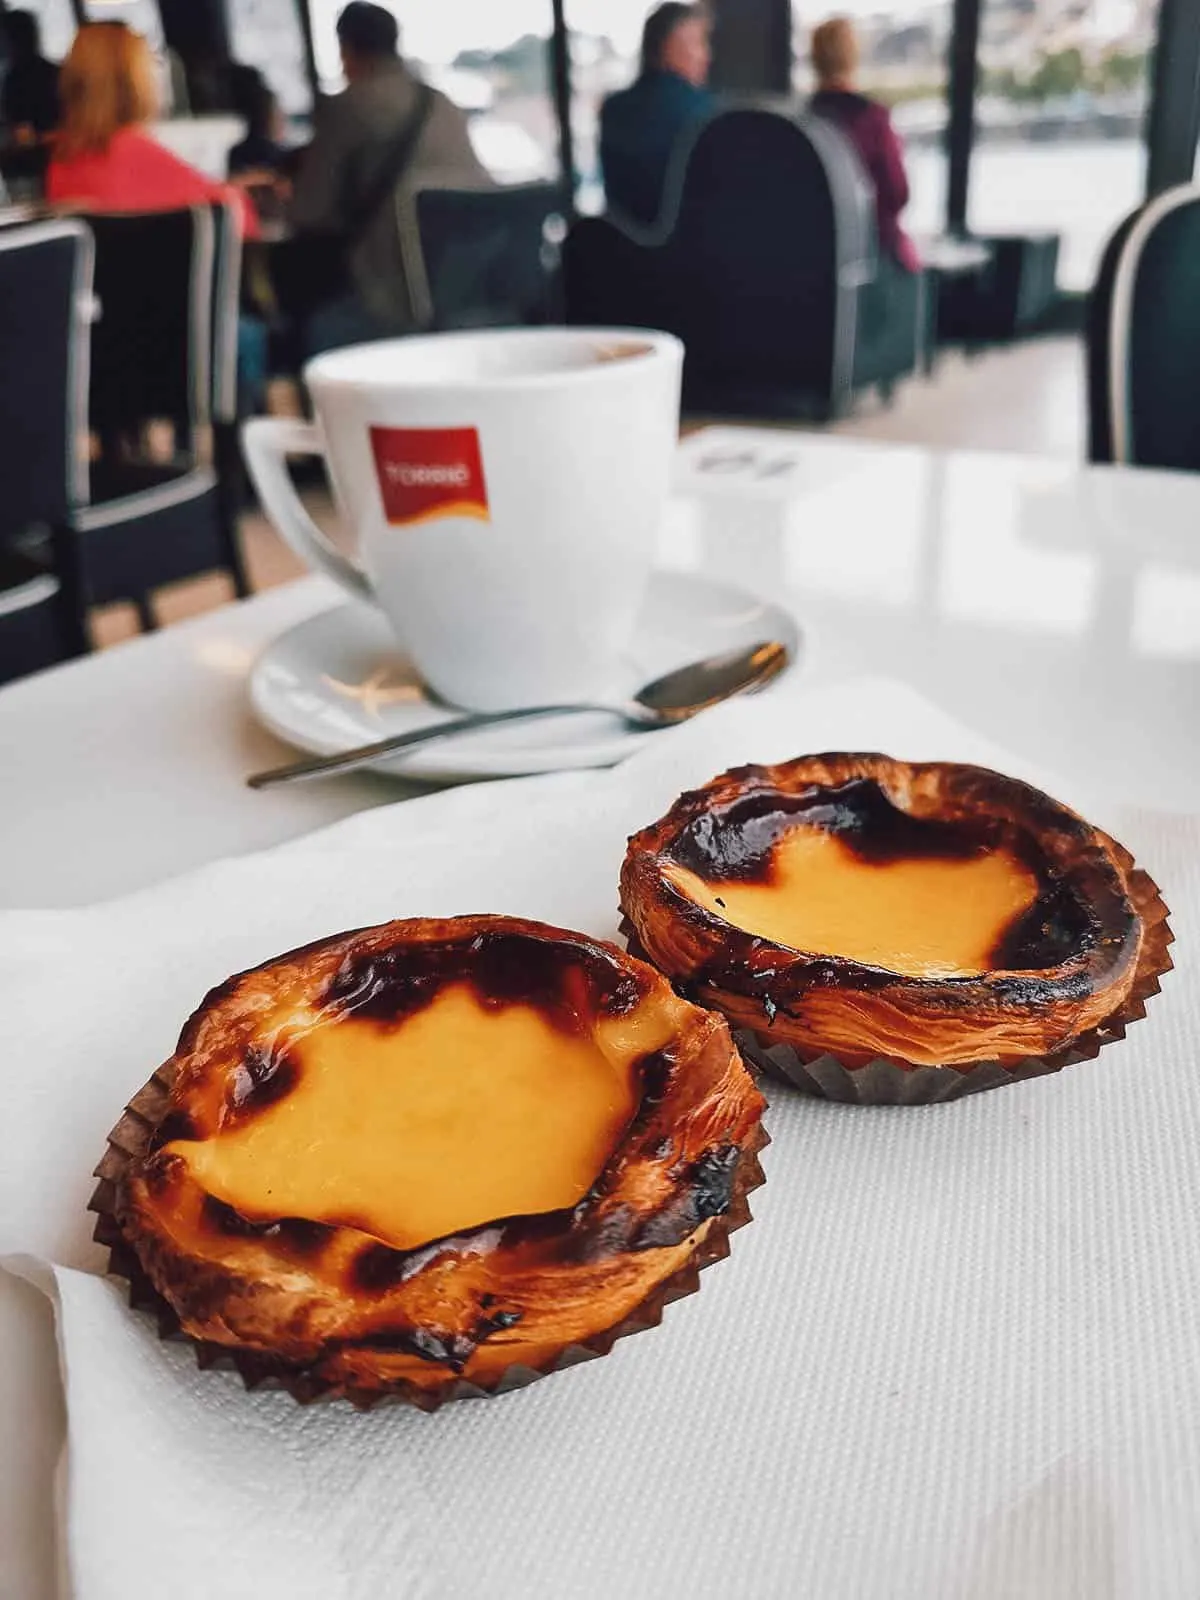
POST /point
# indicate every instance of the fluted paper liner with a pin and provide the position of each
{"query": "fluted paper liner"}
(129, 1141)
(887, 1081)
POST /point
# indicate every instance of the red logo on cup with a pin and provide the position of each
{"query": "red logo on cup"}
(429, 472)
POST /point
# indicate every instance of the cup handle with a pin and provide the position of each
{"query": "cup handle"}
(267, 442)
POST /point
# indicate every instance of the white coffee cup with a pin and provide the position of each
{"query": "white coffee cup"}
(505, 490)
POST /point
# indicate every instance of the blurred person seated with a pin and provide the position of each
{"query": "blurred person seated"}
(105, 159)
(210, 91)
(29, 97)
(868, 127)
(263, 150)
(262, 162)
(384, 136)
(641, 126)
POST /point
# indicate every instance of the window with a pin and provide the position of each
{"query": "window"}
(903, 63)
(266, 34)
(490, 58)
(605, 38)
(57, 21)
(1059, 117)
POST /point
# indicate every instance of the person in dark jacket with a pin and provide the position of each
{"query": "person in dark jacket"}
(640, 127)
(869, 129)
(263, 149)
(29, 99)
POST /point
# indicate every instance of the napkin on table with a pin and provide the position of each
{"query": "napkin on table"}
(955, 1357)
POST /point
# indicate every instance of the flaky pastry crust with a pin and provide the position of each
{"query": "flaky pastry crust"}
(329, 1309)
(1080, 964)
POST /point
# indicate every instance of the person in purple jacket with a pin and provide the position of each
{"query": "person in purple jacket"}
(868, 126)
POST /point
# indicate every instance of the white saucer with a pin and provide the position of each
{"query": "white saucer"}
(339, 680)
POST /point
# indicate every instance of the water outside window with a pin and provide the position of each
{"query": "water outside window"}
(1062, 102)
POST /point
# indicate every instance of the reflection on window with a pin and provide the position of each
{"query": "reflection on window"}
(491, 57)
(861, 535)
(266, 34)
(1011, 556)
(772, 515)
(903, 64)
(57, 21)
(1059, 121)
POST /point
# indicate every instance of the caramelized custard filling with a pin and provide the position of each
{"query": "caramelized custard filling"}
(923, 917)
(452, 1116)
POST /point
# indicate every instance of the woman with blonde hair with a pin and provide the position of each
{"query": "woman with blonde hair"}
(869, 129)
(105, 159)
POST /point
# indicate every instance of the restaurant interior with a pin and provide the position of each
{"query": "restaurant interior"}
(436, 437)
(1031, 133)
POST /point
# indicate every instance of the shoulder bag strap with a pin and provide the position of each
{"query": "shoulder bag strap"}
(400, 158)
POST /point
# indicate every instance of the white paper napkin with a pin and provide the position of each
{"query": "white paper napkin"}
(957, 1355)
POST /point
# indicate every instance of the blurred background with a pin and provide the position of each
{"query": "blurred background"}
(1057, 90)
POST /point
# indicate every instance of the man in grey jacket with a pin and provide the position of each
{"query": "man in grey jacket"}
(357, 134)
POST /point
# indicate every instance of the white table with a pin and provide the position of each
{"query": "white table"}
(949, 256)
(1056, 609)
(203, 142)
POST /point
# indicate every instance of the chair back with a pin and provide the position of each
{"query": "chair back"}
(1144, 338)
(489, 256)
(226, 304)
(152, 344)
(766, 235)
(45, 305)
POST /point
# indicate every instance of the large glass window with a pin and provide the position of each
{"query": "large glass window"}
(605, 38)
(1059, 119)
(903, 63)
(491, 57)
(56, 19)
(266, 34)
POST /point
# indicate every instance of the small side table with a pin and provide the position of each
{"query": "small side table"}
(947, 260)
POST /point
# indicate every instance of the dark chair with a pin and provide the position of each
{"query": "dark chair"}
(226, 396)
(33, 631)
(1143, 338)
(764, 262)
(23, 170)
(45, 304)
(164, 347)
(489, 257)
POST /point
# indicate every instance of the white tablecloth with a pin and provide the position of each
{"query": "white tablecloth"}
(954, 1356)
(1053, 608)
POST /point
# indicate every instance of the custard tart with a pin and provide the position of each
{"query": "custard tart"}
(431, 1159)
(926, 915)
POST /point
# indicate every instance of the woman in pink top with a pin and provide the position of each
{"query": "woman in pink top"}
(869, 129)
(104, 159)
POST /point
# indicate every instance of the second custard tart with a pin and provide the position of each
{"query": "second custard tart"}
(932, 914)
